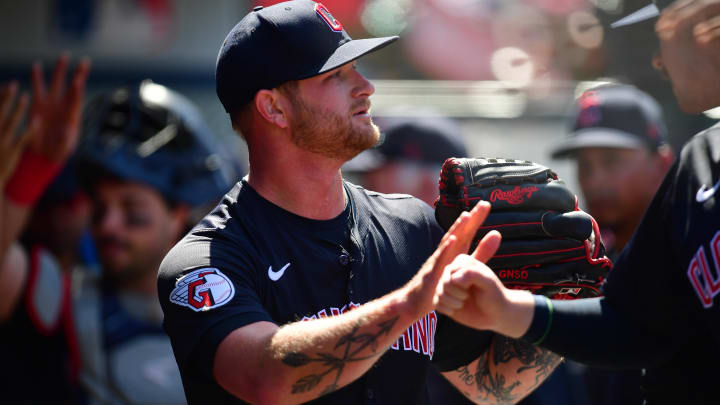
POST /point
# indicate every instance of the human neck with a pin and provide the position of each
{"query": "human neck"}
(305, 184)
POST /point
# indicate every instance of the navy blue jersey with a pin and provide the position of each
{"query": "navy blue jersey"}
(660, 309)
(250, 260)
(668, 276)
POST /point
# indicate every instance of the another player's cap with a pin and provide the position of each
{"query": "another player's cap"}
(426, 140)
(286, 41)
(614, 116)
(650, 11)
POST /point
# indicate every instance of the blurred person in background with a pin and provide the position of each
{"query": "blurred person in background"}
(619, 141)
(60, 221)
(146, 159)
(39, 367)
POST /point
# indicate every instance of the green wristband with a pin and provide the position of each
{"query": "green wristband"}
(548, 301)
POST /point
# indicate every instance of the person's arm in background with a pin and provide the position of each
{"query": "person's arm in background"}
(12, 144)
(49, 139)
(263, 363)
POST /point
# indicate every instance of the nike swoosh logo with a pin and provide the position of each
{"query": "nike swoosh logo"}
(275, 275)
(704, 193)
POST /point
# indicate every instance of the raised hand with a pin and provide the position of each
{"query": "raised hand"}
(702, 17)
(58, 109)
(456, 241)
(471, 294)
(11, 143)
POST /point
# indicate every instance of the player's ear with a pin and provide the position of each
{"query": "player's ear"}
(179, 218)
(667, 157)
(273, 106)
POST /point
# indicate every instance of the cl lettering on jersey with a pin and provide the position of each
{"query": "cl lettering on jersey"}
(202, 290)
(704, 278)
(419, 337)
(331, 21)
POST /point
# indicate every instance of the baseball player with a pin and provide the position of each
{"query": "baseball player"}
(619, 141)
(300, 286)
(659, 310)
(147, 159)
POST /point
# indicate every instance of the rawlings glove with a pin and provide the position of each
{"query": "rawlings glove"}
(549, 246)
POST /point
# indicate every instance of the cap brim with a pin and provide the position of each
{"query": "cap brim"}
(645, 13)
(597, 138)
(354, 49)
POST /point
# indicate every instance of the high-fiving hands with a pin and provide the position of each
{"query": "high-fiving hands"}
(471, 294)
(456, 243)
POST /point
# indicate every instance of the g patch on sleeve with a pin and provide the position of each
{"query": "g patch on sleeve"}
(203, 290)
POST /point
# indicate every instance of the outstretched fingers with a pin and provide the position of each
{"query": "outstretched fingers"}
(7, 98)
(487, 246)
(707, 31)
(76, 93)
(467, 224)
(17, 115)
(57, 84)
(38, 82)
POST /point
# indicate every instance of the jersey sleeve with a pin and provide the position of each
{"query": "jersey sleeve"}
(206, 293)
(457, 345)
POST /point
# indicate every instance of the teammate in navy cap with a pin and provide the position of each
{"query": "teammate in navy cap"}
(661, 308)
(300, 286)
(619, 141)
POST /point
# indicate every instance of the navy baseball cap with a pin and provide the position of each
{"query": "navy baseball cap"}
(426, 140)
(652, 10)
(287, 41)
(614, 116)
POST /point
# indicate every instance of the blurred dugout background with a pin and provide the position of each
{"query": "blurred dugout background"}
(506, 69)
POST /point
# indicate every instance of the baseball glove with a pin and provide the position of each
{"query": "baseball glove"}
(549, 246)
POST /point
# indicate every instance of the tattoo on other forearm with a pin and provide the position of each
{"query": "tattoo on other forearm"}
(532, 357)
(493, 386)
(465, 375)
(350, 346)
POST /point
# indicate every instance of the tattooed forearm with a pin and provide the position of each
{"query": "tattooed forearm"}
(542, 361)
(489, 387)
(493, 386)
(465, 375)
(350, 346)
(495, 381)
